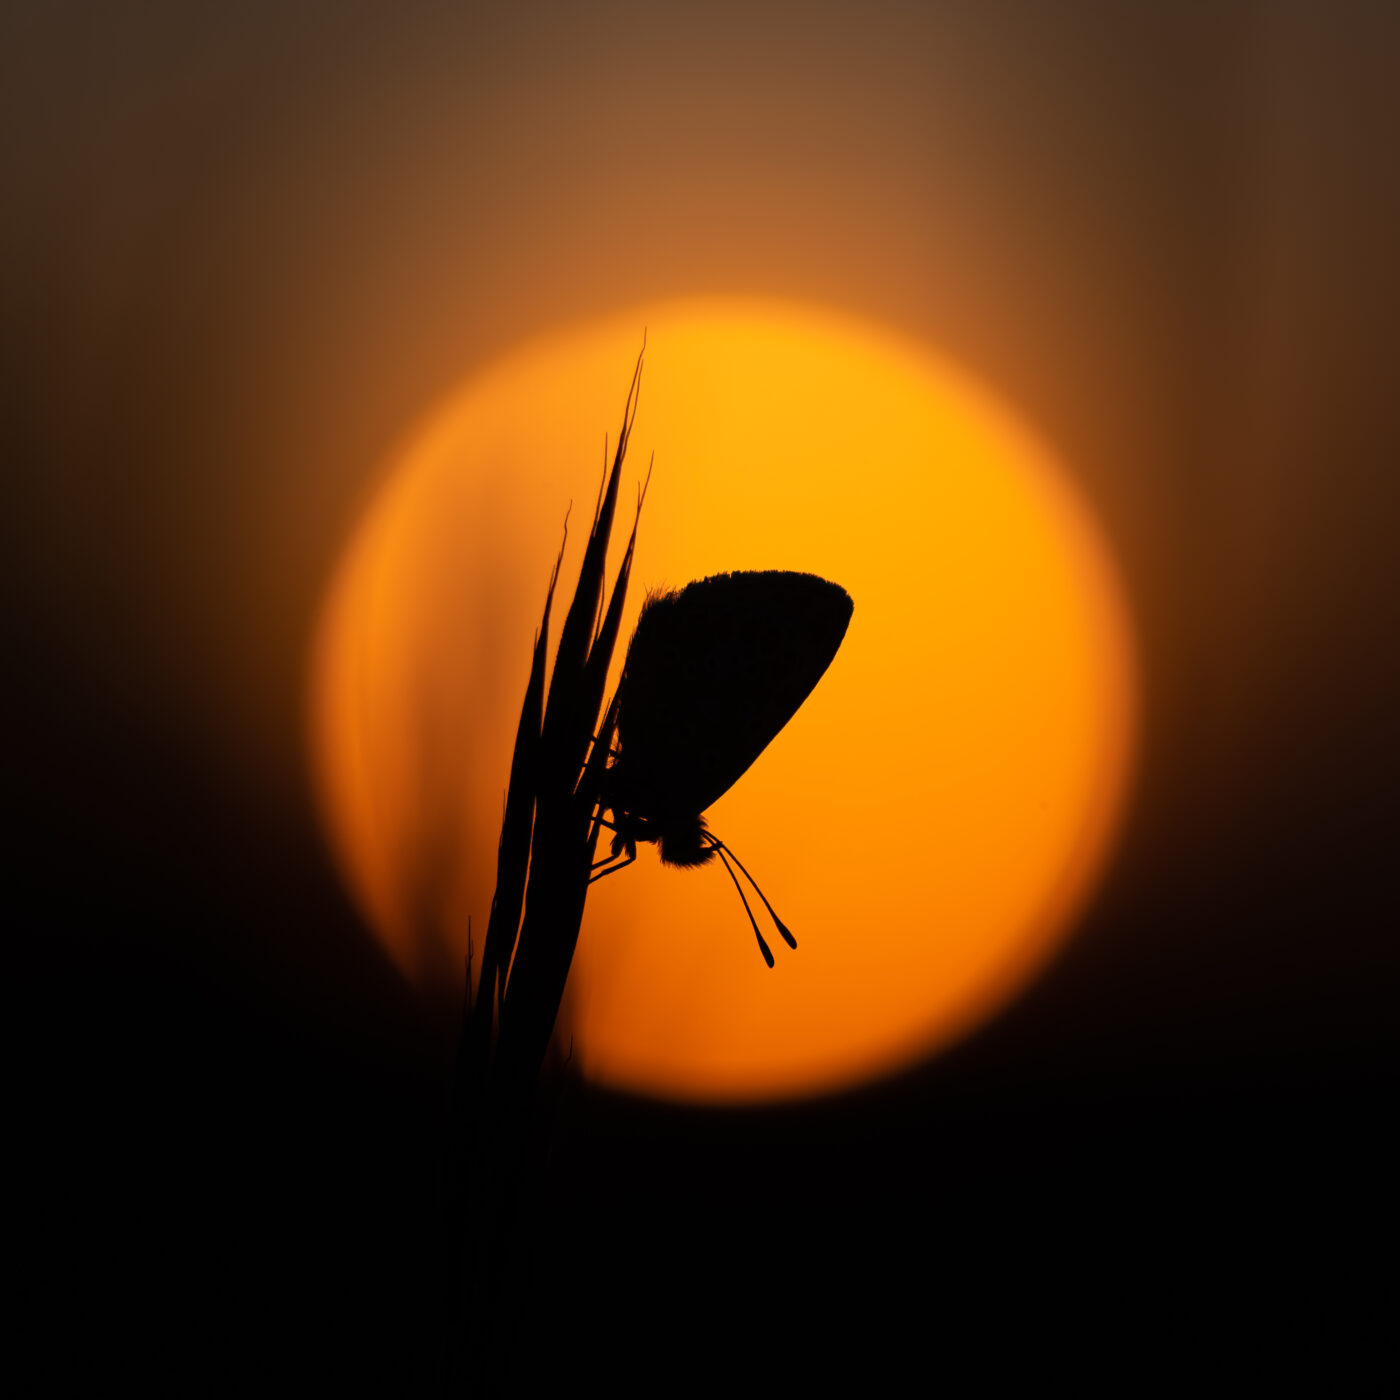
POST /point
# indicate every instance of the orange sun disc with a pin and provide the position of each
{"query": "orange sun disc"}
(930, 821)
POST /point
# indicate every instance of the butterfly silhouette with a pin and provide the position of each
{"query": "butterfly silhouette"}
(712, 673)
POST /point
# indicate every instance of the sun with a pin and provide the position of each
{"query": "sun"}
(929, 823)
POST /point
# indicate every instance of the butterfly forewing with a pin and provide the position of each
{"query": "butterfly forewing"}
(713, 672)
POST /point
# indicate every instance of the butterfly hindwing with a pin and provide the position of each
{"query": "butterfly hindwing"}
(713, 672)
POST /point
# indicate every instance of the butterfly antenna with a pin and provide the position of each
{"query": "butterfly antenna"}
(721, 849)
(762, 946)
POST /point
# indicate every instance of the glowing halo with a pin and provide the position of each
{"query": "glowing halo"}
(928, 824)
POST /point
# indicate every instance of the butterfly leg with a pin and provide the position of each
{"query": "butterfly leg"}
(613, 864)
(619, 845)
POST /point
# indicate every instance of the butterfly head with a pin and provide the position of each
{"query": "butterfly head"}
(683, 843)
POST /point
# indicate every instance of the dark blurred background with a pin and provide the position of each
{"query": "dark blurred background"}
(242, 248)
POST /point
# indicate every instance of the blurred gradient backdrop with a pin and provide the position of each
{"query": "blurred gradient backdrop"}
(244, 248)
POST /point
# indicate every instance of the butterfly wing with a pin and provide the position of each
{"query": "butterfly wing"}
(713, 672)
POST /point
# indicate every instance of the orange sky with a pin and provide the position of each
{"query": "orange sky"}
(248, 252)
(1155, 234)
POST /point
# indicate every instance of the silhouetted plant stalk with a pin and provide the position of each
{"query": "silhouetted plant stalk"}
(549, 834)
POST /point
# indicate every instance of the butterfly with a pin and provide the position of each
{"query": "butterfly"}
(713, 672)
